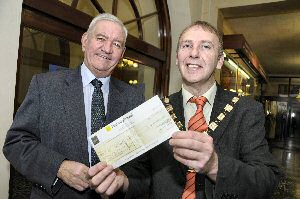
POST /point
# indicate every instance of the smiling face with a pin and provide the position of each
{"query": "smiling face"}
(198, 57)
(103, 47)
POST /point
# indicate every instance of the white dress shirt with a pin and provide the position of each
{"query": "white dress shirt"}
(88, 89)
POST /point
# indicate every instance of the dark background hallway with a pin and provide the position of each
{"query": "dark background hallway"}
(287, 152)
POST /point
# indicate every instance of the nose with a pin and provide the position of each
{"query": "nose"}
(107, 47)
(195, 52)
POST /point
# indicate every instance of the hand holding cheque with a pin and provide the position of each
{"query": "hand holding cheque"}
(126, 138)
(134, 133)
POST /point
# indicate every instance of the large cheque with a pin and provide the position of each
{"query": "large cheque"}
(134, 133)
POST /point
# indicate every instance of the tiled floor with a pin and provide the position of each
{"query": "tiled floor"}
(288, 154)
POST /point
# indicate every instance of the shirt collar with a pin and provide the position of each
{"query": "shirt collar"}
(210, 94)
(88, 76)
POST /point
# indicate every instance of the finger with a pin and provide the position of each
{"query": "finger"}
(178, 134)
(84, 176)
(193, 141)
(83, 181)
(80, 182)
(185, 143)
(104, 185)
(195, 159)
(190, 135)
(198, 166)
(113, 186)
(81, 187)
(117, 183)
(186, 153)
(186, 162)
(101, 176)
(185, 135)
(96, 169)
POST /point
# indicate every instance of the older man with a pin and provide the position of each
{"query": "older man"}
(47, 142)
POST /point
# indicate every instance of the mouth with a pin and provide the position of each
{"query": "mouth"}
(193, 66)
(103, 56)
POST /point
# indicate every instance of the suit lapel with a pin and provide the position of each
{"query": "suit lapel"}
(177, 102)
(116, 101)
(221, 100)
(73, 100)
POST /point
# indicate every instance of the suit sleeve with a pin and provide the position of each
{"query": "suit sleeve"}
(23, 147)
(251, 172)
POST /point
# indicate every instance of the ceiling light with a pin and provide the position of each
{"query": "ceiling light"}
(243, 73)
(293, 115)
(232, 63)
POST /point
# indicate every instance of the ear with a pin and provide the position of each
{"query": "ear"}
(84, 39)
(220, 62)
(176, 61)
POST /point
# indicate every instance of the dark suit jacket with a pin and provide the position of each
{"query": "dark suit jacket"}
(246, 168)
(50, 126)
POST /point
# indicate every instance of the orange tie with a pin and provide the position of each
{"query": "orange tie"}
(196, 123)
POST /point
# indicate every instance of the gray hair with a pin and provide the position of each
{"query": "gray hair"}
(107, 17)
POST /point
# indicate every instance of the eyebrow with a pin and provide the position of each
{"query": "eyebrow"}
(103, 35)
(186, 41)
(202, 41)
(100, 34)
(207, 41)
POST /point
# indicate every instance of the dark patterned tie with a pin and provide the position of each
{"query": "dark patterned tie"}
(196, 123)
(97, 114)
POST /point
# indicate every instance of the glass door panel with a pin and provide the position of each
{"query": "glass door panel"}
(43, 52)
(137, 74)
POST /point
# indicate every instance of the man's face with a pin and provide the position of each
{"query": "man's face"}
(103, 47)
(198, 56)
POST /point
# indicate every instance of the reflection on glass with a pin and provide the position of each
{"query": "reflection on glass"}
(276, 87)
(282, 85)
(245, 86)
(106, 5)
(145, 7)
(41, 51)
(287, 87)
(87, 7)
(136, 74)
(151, 30)
(295, 87)
(149, 25)
(68, 2)
(132, 29)
(126, 12)
(236, 79)
(228, 77)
